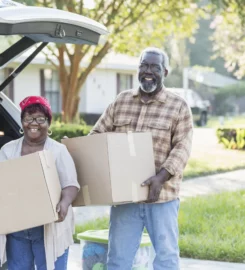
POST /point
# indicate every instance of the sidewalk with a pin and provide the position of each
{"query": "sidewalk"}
(230, 181)
(190, 264)
(74, 262)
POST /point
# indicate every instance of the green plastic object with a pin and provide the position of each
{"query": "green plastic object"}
(99, 266)
(101, 236)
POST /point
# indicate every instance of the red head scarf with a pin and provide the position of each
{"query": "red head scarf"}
(36, 100)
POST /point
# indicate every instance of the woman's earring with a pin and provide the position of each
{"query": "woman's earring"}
(21, 131)
(50, 132)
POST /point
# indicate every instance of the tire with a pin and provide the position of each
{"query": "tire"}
(203, 119)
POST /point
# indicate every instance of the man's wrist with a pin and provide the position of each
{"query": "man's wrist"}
(164, 175)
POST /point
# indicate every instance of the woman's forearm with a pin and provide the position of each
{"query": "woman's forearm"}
(69, 194)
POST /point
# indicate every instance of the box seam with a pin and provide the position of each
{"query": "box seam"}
(47, 186)
(107, 148)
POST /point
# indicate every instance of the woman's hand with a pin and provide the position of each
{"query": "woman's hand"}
(62, 209)
(68, 195)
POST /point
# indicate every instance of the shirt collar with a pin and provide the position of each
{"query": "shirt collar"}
(160, 96)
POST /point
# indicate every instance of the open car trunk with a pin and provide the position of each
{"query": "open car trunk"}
(36, 26)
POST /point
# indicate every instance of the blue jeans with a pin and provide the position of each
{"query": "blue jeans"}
(25, 249)
(127, 223)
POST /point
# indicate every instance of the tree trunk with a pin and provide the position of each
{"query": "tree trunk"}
(71, 81)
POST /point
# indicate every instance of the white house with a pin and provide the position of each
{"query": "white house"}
(115, 73)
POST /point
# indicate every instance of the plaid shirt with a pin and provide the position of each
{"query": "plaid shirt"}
(169, 119)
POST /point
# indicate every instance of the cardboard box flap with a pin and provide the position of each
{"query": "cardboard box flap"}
(131, 163)
(52, 178)
(24, 193)
(90, 155)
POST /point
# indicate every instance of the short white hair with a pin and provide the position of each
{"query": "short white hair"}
(154, 50)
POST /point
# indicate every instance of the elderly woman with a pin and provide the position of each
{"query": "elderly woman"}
(45, 247)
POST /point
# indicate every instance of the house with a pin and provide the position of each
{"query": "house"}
(209, 78)
(115, 73)
(205, 82)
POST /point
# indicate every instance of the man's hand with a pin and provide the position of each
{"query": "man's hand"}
(62, 209)
(155, 184)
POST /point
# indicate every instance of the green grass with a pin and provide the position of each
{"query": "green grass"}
(213, 122)
(211, 227)
(97, 224)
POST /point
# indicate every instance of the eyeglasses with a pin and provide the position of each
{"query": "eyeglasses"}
(153, 67)
(39, 120)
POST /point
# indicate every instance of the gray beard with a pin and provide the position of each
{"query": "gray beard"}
(148, 88)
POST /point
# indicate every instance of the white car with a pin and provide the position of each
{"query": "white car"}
(199, 107)
(36, 25)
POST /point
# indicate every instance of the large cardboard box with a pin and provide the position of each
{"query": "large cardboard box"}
(112, 166)
(29, 192)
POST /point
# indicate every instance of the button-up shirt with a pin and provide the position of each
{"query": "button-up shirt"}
(168, 117)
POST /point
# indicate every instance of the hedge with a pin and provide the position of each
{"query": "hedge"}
(232, 138)
(59, 130)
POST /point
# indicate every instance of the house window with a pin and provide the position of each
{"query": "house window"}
(9, 89)
(124, 82)
(50, 88)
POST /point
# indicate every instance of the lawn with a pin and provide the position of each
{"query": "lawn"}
(211, 227)
(214, 122)
(210, 157)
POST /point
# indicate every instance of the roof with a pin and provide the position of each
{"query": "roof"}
(209, 78)
(110, 61)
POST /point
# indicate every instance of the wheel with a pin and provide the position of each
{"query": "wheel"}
(203, 120)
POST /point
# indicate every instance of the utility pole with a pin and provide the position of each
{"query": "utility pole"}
(185, 78)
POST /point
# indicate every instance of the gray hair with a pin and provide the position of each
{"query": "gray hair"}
(154, 50)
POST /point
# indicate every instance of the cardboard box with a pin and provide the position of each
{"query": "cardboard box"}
(29, 192)
(112, 166)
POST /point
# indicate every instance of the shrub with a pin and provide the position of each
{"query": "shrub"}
(226, 98)
(59, 130)
(232, 138)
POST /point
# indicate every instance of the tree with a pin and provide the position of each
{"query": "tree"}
(201, 50)
(229, 42)
(229, 37)
(133, 25)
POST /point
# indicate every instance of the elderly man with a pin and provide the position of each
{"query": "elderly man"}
(151, 108)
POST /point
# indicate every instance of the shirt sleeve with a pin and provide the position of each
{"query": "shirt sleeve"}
(181, 142)
(3, 155)
(66, 169)
(105, 122)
